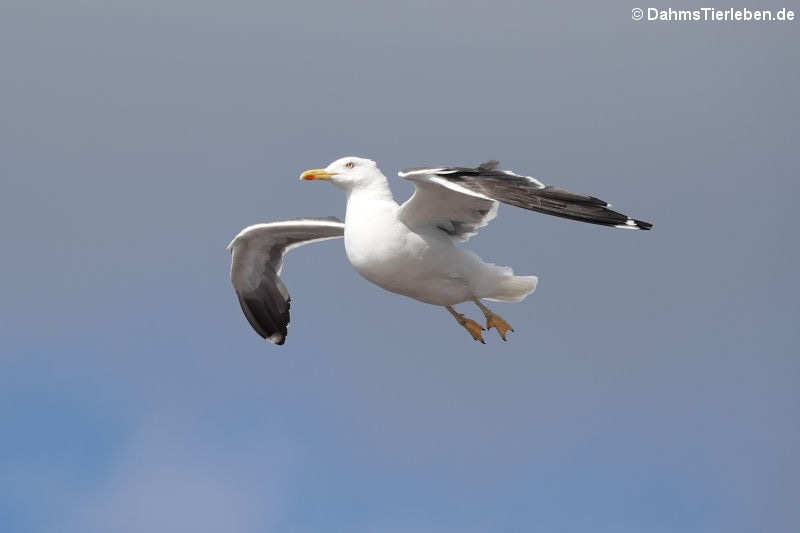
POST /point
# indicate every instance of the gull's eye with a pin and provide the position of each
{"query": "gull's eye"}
(350, 164)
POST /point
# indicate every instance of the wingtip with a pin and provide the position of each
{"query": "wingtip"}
(635, 224)
(277, 339)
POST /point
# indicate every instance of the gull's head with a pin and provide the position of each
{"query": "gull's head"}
(347, 173)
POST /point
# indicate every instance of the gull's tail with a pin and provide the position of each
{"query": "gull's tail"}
(513, 288)
(494, 282)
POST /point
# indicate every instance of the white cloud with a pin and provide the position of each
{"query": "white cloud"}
(173, 480)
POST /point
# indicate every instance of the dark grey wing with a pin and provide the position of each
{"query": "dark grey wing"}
(441, 204)
(256, 263)
(486, 181)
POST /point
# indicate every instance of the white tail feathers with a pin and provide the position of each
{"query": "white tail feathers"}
(512, 288)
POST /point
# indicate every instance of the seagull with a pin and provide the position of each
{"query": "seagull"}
(411, 248)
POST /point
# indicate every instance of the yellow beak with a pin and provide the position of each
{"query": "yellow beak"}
(317, 174)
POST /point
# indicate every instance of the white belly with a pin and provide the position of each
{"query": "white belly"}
(427, 267)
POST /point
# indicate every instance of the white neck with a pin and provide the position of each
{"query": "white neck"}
(374, 189)
(367, 197)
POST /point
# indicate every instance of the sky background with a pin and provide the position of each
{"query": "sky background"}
(651, 384)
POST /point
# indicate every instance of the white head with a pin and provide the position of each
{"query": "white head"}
(348, 173)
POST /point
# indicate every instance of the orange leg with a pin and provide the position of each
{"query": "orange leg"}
(494, 320)
(470, 325)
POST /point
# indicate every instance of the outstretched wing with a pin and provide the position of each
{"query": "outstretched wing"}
(450, 192)
(256, 262)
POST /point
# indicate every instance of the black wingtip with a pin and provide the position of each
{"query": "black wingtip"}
(269, 323)
(641, 224)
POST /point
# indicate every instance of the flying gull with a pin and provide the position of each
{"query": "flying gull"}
(410, 248)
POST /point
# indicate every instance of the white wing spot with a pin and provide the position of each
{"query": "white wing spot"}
(629, 224)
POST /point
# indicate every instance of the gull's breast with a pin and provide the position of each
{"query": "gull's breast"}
(386, 252)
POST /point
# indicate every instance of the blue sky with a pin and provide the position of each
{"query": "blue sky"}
(651, 384)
